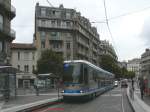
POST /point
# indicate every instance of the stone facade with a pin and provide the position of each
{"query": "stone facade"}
(107, 49)
(145, 70)
(134, 66)
(24, 58)
(66, 32)
(7, 35)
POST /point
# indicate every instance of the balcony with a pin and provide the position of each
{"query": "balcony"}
(10, 10)
(11, 35)
(49, 25)
(13, 12)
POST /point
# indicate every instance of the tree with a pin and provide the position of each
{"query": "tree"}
(50, 62)
(110, 64)
(130, 74)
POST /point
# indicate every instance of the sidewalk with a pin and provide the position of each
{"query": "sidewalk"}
(137, 103)
(28, 100)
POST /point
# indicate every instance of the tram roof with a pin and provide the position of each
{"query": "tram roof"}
(90, 64)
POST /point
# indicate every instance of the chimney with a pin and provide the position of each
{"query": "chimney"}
(37, 4)
(147, 50)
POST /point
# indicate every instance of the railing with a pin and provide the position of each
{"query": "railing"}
(12, 33)
(8, 6)
(1, 26)
(13, 9)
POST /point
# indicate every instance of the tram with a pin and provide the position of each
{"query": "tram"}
(84, 79)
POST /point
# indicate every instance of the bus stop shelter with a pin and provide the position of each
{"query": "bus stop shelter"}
(47, 81)
(7, 82)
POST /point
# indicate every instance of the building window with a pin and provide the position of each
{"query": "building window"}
(68, 24)
(43, 35)
(33, 55)
(43, 11)
(53, 12)
(55, 45)
(26, 68)
(53, 23)
(57, 14)
(68, 15)
(1, 46)
(1, 22)
(68, 45)
(53, 34)
(43, 44)
(18, 55)
(18, 67)
(43, 23)
(26, 55)
(33, 68)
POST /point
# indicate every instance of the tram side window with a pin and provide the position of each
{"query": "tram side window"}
(81, 74)
(86, 75)
(94, 75)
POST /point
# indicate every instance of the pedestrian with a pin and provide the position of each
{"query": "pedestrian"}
(132, 84)
(37, 90)
(142, 87)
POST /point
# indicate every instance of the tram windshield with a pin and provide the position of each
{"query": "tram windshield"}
(72, 73)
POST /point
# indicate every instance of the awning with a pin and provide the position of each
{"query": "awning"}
(8, 69)
(47, 75)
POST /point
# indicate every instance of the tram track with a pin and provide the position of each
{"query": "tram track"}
(112, 101)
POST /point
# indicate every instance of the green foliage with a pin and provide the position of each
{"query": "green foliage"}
(50, 62)
(109, 64)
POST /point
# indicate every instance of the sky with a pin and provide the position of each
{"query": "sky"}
(129, 22)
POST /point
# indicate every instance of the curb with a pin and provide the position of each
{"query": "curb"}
(33, 106)
(130, 101)
(137, 104)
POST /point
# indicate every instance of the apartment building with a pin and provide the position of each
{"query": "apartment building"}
(66, 32)
(134, 66)
(145, 69)
(24, 58)
(145, 64)
(107, 49)
(7, 35)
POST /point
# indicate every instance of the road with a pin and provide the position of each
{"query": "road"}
(112, 101)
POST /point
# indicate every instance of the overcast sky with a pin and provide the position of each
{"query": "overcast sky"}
(129, 22)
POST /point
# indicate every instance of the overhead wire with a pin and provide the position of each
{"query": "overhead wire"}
(109, 28)
(49, 3)
(129, 13)
(122, 15)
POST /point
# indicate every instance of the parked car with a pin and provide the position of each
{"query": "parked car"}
(124, 84)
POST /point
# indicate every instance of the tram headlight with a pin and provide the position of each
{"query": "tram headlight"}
(81, 91)
(62, 91)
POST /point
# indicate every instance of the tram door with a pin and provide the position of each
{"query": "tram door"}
(86, 79)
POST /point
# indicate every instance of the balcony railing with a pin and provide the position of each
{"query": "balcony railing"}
(11, 34)
(7, 4)
(13, 9)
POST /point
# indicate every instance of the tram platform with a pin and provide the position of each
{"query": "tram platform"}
(22, 102)
(138, 104)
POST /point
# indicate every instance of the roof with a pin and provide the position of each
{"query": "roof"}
(23, 46)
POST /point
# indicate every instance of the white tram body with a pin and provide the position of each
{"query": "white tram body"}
(82, 78)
